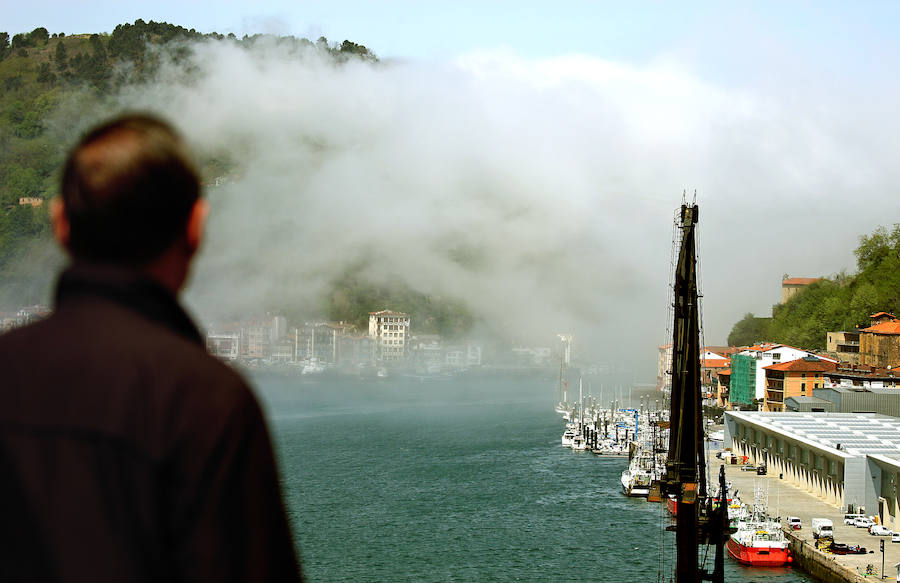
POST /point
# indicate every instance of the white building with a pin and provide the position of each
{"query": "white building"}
(845, 459)
(390, 333)
(224, 345)
(769, 354)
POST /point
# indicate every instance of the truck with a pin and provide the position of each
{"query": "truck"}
(822, 528)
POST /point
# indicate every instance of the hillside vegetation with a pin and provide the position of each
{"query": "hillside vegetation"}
(52, 86)
(841, 302)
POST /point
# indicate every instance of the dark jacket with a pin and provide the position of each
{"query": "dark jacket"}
(127, 453)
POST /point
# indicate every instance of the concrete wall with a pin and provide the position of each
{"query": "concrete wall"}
(819, 565)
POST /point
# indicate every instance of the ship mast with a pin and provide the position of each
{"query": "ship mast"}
(686, 464)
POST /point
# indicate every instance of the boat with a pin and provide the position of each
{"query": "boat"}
(579, 443)
(313, 366)
(759, 540)
(636, 481)
(568, 436)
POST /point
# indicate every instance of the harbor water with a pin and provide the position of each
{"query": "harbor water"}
(412, 480)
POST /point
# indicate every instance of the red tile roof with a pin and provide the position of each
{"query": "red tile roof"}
(803, 365)
(763, 347)
(883, 315)
(715, 362)
(799, 280)
(884, 328)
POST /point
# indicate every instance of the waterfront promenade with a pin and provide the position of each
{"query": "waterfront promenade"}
(788, 500)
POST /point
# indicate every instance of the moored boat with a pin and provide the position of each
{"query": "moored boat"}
(759, 540)
(636, 482)
(760, 545)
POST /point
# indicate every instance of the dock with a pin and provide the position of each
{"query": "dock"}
(785, 500)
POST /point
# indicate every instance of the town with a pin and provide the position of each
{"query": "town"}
(339, 348)
(854, 373)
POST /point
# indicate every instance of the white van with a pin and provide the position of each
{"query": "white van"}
(822, 527)
(794, 522)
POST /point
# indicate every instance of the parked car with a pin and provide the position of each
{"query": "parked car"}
(794, 522)
(895, 538)
(761, 471)
(748, 468)
(863, 522)
(880, 530)
(849, 519)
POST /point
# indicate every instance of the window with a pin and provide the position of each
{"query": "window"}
(802, 386)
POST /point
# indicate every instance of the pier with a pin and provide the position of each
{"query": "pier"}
(786, 499)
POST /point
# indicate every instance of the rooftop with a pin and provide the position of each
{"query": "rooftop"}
(892, 327)
(714, 362)
(799, 280)
(882, 315)
(857, 433)
(806, 364)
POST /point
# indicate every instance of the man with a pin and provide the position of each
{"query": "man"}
(127, 453)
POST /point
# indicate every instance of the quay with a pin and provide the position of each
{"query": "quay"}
(785, 499)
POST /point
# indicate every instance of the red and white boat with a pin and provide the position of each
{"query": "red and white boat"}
(759, 540)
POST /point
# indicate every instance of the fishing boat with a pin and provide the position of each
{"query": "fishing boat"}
(636, 481)
(759, 540)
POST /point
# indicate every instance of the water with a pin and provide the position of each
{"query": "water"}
(457, 481)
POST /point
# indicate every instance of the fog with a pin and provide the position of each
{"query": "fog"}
(540, 192)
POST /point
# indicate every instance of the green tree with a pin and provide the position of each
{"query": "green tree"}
(749, 330)
(39, 36)
(13, 83)
(4, 45)
(61, 57)
(45, 74)
(864, 302)
(20, 41)
(22, 182)
(876, 247)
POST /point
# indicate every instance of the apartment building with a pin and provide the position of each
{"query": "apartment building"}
(390, 332)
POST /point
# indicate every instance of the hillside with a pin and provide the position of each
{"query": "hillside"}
(840, 302)
(52, 86)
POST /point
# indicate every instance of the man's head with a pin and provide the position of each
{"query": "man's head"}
(130, 194)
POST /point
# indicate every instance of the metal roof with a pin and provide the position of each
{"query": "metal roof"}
(858, 433)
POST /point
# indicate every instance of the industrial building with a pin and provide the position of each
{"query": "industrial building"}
(845, 459)
(884, 401)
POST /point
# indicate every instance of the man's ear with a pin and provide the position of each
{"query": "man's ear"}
(60, 222)
(196, 224)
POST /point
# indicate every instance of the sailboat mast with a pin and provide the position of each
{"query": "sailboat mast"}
(683, 475)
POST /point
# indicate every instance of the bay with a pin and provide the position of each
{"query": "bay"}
(463, 480)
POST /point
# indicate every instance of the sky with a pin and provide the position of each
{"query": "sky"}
(550, 142)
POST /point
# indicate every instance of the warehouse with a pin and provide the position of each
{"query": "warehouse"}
(846, 459)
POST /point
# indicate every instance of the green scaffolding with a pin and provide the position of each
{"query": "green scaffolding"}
(743, 379)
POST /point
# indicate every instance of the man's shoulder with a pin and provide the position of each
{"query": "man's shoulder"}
(105, 368)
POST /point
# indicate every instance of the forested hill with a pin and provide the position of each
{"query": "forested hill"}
(40, 71)
(53, 84)
(841, 302)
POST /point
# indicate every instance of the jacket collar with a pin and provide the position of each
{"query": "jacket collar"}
(127, 288)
